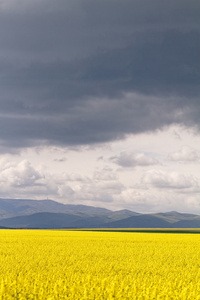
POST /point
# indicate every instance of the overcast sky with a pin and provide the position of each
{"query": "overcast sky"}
(100, 102)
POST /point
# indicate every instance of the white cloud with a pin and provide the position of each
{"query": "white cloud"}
(82, 179)
(185, 154)
(158, 200)
(173, 180)
(22, 180)
(18, 175)
(103, 186)
(128, 160)
(65, 190)
(106, 174)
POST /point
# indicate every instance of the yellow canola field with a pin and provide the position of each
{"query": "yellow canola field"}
(42, 264)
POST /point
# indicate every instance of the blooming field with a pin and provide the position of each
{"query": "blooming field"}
(39, 264)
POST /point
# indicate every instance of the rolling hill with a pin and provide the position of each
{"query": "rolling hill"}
(18, 213)
(50, 220)
(19, 207)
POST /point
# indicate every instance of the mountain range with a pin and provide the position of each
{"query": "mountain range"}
(25, 213)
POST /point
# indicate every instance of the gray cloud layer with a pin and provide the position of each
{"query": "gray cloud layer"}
(82, 72)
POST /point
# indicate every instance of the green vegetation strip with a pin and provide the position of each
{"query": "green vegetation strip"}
(147, 230)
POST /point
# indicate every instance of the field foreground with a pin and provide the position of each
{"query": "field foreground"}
(39, 264)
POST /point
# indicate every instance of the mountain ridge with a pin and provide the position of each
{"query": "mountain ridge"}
(27, 213)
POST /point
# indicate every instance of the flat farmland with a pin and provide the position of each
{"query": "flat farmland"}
(58, 264)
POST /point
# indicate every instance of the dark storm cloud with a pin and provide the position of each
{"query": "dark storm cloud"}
(79, 72)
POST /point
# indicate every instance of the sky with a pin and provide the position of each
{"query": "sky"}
(100, 103)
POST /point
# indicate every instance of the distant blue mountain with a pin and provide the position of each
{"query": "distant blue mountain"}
(18, 213)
